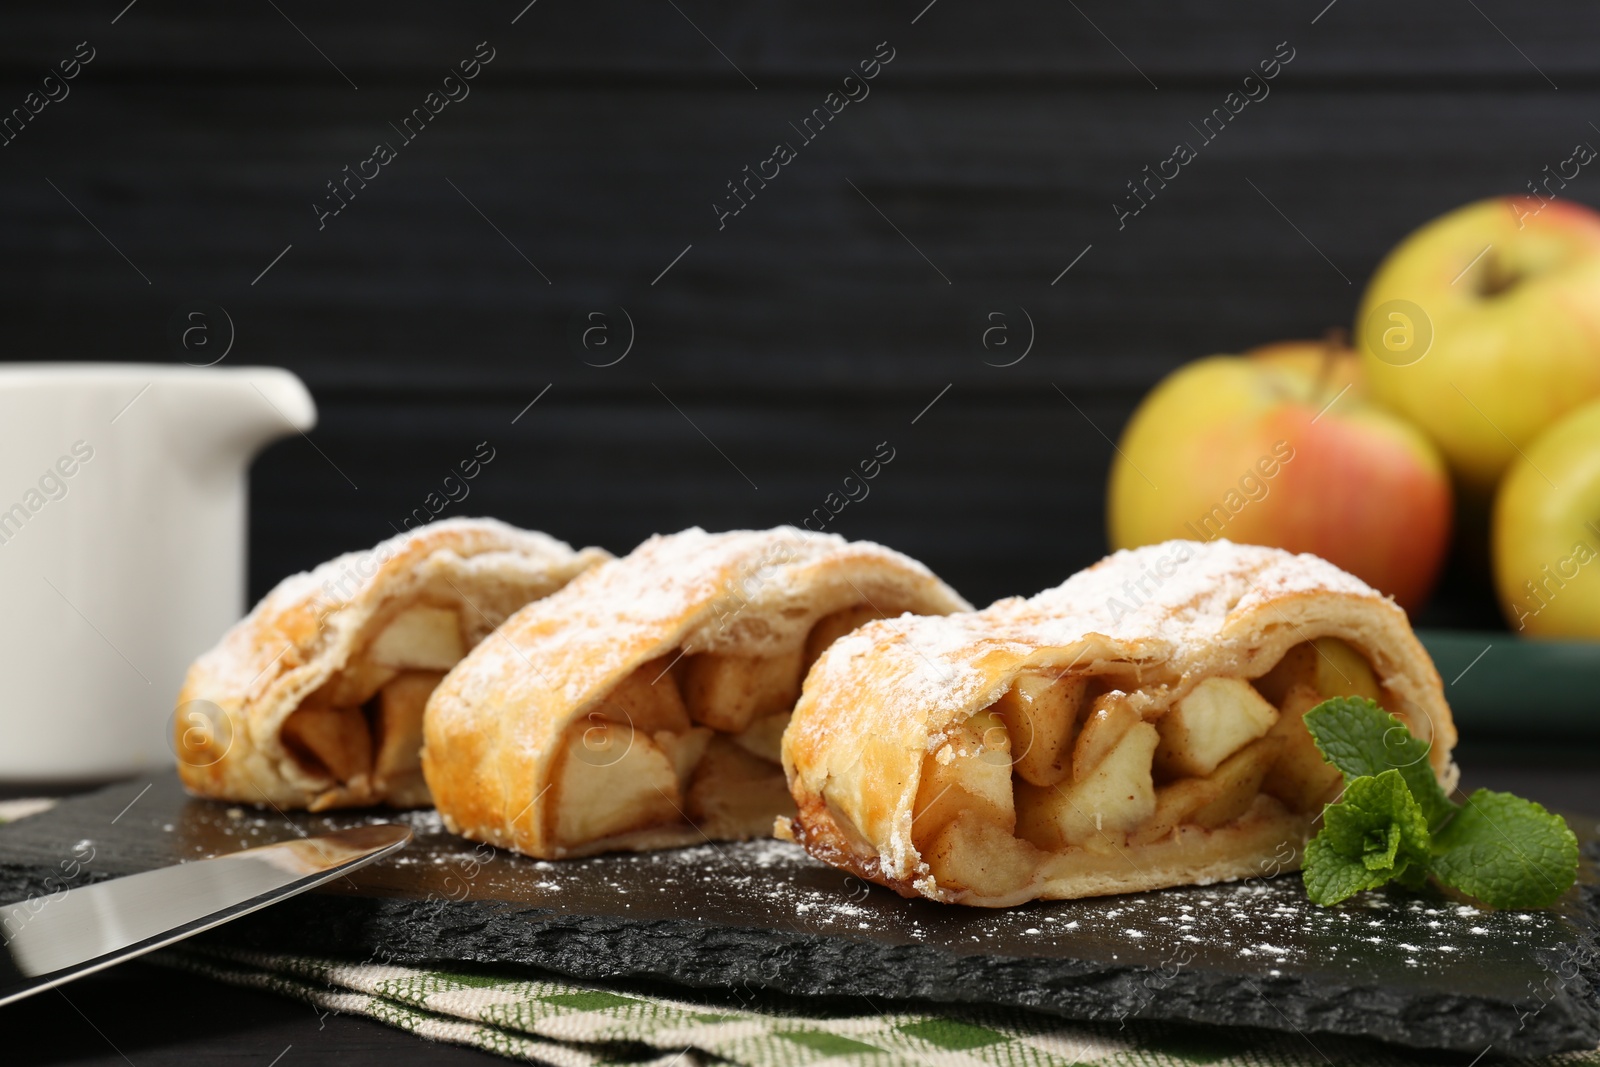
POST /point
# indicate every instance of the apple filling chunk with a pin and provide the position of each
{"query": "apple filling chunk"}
(1041, 713)
(366, 721)
(1063, 763)
(422, 637)
(334, 740)
(974, 854)
(1328, 666)
(1112, 790)
(728, 692)
(612, 779)
(735, 794)
(381, 737)
(1308, 674)
(1300, 777)
(648, 700)
(1214, 720)
(716, 722)
(969, 772)
(357, 683)
(1216, 800)
(764, 737)
(398, 724)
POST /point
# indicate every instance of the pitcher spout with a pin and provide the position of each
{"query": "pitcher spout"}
(288, 398)
(235, 412)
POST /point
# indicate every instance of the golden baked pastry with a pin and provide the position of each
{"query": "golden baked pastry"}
(641, 707)
(1138, 726)
(315, 699)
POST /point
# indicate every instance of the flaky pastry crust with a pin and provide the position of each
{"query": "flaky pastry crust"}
(237, 695)
(1152, 622)
(495, 727)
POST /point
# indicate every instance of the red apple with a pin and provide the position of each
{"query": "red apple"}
(1281, 447)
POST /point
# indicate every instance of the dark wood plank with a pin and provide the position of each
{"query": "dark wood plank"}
(775, 42)
(997, 499)
(1000, 494)
(598, 140)
(810, 288)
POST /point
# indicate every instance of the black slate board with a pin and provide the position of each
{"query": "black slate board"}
(1414, 971)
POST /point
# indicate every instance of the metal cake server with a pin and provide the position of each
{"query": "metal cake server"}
(54, 939)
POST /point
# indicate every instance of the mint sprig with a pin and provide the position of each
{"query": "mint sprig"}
(1373, 835)
(1361, 739)
(1394, 823)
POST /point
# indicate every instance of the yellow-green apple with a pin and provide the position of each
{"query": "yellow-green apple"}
(1280, 447)
(1483, 328)
(1546, 532)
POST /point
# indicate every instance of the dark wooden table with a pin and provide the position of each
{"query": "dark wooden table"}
(819, 321)
(151, 1016)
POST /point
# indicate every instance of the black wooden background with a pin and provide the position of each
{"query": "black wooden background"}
(771, 355)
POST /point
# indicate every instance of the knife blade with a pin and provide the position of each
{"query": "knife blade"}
(54, 939)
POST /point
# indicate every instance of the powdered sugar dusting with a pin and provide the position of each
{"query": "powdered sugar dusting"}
(246, 654)
(1149, 605)
(1177, 593)
(746, 588)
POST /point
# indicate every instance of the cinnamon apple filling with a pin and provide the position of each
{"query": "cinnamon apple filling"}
(1067, 768)
(363, 727)
(688, 738)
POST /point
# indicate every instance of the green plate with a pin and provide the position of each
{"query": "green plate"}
(1497, 683)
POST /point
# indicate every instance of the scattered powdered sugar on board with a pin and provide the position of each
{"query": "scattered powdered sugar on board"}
(422, 820)
(1262, 926)
(1272, 923)
(1265, 923)
(760, 867)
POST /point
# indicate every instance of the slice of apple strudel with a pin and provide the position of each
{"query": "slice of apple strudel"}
(1138, 726)
(641, 707)
(315, 699)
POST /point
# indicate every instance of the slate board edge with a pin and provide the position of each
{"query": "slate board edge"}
(1564, 1014)
(434, 933)
(424, 933)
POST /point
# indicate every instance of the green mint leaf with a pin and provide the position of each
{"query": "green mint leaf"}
(1361, 739)
(1331, 877)
(1375, 833)
(1378, 853)
(1506, 851)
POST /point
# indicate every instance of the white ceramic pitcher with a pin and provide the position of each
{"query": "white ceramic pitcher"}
(122, 549)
